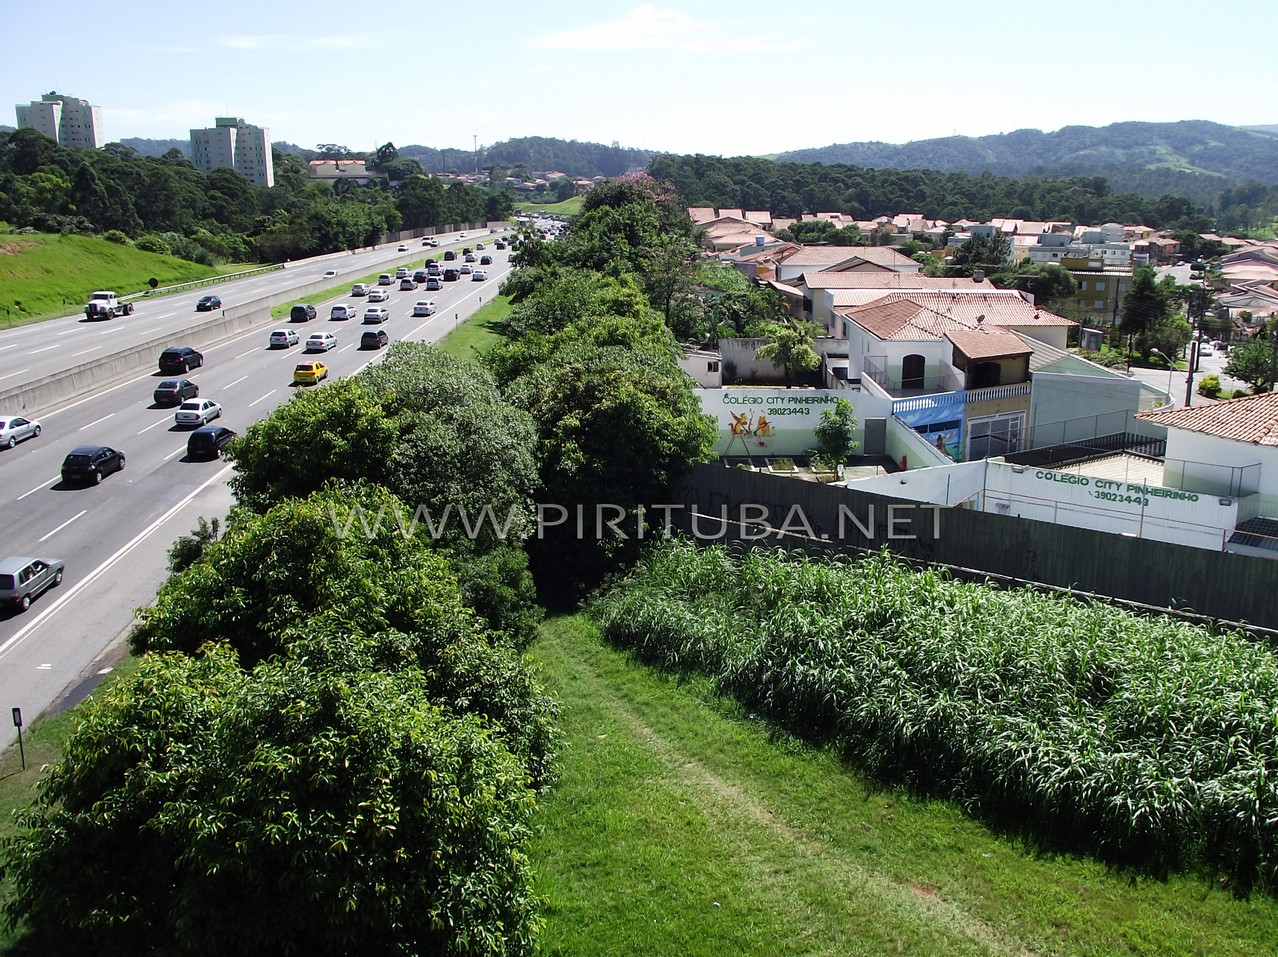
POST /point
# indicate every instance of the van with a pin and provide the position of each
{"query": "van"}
(449, 255)
(385, 279)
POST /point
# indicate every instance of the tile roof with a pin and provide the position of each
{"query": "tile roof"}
(825, 255)
(829, 279)
(988, 342)
(1000, 307)
(701, 214)
(881, 256)
(1253, 418)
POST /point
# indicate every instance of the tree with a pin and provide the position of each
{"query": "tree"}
(1145, 304)
(789, 346)
(989, 253)
(1051, 285)
(299, 808)
(834, 433)
(384, 154)
(186, 551)
(1252, 361)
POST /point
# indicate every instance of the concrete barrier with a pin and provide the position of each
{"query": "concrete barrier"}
(35, 398)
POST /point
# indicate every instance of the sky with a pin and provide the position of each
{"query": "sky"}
(720, 78)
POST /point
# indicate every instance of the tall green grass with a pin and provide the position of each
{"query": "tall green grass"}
(1148, 742)
(44, 275)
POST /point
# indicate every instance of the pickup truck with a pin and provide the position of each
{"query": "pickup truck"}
(103, 304)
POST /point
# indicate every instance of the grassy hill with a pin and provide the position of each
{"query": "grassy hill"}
(1189, 158)
(42, 276)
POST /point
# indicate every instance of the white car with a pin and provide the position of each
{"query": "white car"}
(359, 289)
(375, 314)
(1205, 349)
(401, 248)
(465, 269)
(15, 428)
(343, 311)
(330, 273)
(320, 341)
(283, 338)
(401, 272)
(378, 294)
(478, 275)
(197, 412)
(424, 307)
(385, 279)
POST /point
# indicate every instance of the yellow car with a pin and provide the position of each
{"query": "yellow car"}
(309, 373)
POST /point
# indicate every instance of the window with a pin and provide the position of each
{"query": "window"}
(1098, 303)
(1100, 286)
(994, 435)
(712, 366)
(1082, 285)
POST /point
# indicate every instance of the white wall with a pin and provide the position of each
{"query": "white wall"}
(780, 421)
(1071, 408)
(1206, 458)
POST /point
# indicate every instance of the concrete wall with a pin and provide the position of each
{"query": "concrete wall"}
(1235, 588)
(1074, 408)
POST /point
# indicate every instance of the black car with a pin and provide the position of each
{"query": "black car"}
(450, 275)
(179, 359)
(374, 339)
(302, 312)
(208, 441)
(485, 260)
(91, 463)
(449, 255)
(209, 304)
(175, 391)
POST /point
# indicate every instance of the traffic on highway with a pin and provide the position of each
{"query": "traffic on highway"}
(107, 519)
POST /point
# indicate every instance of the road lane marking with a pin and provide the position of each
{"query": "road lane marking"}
(174, 452)
(11, 374)
(95, 422)
(260, 398)
(35, 352)
(85, 352)
(236, 382)
(63, 525)
(156, 425)
(14, 345)
(67, 333)
(45, 484)
(106, 566)
(249, 353)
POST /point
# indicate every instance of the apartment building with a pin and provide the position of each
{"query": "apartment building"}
(237, 145)
(70, 121)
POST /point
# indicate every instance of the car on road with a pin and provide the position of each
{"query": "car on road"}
(450, 275)
(449, 255)
(401, 272)
(375, 314)
(91, 463)
(385, 279)
(320, 341)
(175, 391)
(177, 360)
(378, 294)
(208, 304)
(374, 339)
(478, 247)
(424, 307)
(478, 275)
(500, 244)
(343, 311)
(432, 268)
(309, 373)
(22, 580)
(330, 273)
(15, 428)
(408, 284)
(197, 412)
(465, 269)
(420, 276)
(284, 338)
(469, 257)
(302, 312)
(1205, 349)
(401, 248)
(208, 441)
(433, 284)
(485, 260)
(359, 289)
(461, 235)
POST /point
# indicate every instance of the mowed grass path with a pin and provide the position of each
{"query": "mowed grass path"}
(680, 826)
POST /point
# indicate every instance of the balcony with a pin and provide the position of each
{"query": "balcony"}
(935, 379)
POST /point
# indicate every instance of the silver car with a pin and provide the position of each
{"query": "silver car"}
(197, 412)
(23, 579)
(15, 428)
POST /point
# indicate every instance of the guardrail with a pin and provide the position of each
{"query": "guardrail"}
(197, 283)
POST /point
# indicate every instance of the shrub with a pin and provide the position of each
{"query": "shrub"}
(1210, 387)
(117, 237)
(151, 243)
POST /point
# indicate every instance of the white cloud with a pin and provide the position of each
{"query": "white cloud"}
(647, 28)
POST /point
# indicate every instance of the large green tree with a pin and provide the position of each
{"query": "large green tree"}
(789, 347)
(1253, 361)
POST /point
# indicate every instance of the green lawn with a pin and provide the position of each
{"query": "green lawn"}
(569, 207)
(682, 826)
(478, 332)
(52, 275)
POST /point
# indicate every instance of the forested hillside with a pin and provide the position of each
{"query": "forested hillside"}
(789, 189)
(1193, 158)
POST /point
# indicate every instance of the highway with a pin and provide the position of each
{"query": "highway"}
(113, 536)
(32, 351)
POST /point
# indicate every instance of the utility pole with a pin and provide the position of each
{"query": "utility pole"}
(475, 138)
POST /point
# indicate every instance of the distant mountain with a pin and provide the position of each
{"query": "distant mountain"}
(1271, 128)
(147, 147)
(1190, 158)
(536, 153)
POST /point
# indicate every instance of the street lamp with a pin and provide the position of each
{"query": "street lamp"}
(1171, 368)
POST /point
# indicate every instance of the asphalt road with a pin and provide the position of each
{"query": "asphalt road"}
(114, 536)
(1207, 365)
(30, 352)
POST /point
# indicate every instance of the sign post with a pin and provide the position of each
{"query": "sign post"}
(17, 723)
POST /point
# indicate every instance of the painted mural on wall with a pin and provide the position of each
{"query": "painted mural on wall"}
(938, 420)
(778, 421)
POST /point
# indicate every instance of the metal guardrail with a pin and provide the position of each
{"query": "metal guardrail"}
(197, 283)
